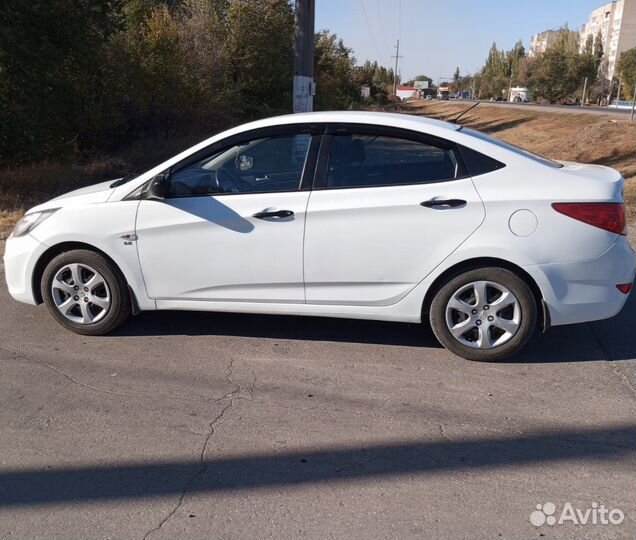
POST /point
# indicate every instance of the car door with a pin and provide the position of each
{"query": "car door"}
(388, 206)
(231, 225)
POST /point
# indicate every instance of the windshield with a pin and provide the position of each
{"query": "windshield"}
(511, 147)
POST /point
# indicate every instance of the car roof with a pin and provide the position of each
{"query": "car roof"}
(406, 121)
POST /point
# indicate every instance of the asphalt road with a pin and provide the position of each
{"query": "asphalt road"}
(186, 425)
(603, 111)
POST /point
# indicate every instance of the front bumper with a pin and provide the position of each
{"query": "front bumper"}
(20, 257)
(583, 291)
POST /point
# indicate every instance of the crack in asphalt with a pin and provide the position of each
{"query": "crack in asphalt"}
(612, 362)
(211, 431)
(619, 373)
(442, 432)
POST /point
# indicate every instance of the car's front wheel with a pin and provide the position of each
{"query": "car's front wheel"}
(484, 314)
(85, 292)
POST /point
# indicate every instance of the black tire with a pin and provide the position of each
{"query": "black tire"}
(120, 305)
(525, 299)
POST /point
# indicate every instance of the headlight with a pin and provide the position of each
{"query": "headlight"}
(31, 221)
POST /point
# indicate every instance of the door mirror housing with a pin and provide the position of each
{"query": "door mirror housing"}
(157, 188)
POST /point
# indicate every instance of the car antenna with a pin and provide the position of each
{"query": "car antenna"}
(454, 120)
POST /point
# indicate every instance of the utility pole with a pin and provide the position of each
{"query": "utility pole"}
(620, 83)
(609, 94)
(304, 87)
(600, 97)
(395, 74)
(510, 87)
(584, 91)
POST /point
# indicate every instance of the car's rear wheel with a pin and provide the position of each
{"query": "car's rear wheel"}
(85, 292)
(484, 314)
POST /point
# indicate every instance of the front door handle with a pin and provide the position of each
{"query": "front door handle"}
(273, 214)
(444, 203)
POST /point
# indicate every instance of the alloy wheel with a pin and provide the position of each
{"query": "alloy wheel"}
(483, 314)
(80, 293)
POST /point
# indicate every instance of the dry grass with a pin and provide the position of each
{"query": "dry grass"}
(588, 138)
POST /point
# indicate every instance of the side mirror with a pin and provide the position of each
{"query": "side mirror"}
(157, 188)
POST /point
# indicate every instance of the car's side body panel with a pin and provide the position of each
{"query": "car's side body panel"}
(371, 246)
(212, 248)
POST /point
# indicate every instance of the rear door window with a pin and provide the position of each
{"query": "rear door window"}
(367, 160)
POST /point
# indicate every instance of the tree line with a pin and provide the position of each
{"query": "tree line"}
(558, 73)
(79, 76)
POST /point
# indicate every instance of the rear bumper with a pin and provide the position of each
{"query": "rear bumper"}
(583, 291)
(20, 256)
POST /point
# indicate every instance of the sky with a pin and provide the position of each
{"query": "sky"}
(436, 36)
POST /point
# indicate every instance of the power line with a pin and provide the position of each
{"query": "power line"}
(366, 18)
(380, 18)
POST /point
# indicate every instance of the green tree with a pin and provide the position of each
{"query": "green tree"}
(334, 73)
(627, 68)
(598, 48)
(558, 73)
(51, 58)
(259, 53)
(589, 44)
(80, 76)
(378, 78)
(495, 74)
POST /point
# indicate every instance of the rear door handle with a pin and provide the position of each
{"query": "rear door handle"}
(273, 214)
(444, 203)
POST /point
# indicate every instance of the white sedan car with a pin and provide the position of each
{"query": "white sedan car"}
(339, 214)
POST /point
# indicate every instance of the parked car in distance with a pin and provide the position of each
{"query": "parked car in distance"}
(339, 214)
(519, 94)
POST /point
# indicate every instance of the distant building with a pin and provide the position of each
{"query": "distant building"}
(404, 92)
(541, 41)
(616, 21)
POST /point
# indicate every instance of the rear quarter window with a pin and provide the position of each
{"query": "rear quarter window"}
(513, 148)
(477, 163)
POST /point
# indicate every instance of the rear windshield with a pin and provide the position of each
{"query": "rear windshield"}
(511, 147)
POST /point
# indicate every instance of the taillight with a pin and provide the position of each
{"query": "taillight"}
(606, 215)
(624, 287)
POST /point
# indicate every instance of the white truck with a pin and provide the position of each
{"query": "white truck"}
(519, 94)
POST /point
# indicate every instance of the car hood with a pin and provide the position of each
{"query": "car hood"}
(96, 193)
